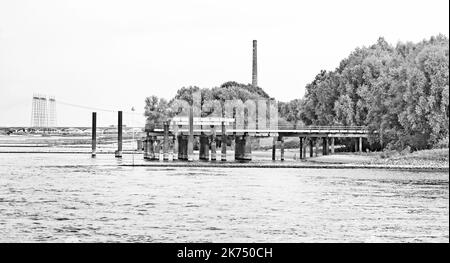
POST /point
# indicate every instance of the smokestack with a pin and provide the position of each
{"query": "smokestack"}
(255, 66)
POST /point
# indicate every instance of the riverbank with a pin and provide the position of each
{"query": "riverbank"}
(299, 165)
(262, 159)
(425, 158)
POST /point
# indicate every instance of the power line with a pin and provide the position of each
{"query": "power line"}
(95, 108)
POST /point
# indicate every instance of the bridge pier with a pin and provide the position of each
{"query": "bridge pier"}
(182, 147)
(274, 148)
(300, 146)
(158, 150)
(175, 142)
(281, 148)
(149, 148)
(360, 144)
(204, 148)
(166, 142)
(145, 148)
(223, 143)
(305, 144)
(190, 144)
(153, 145)
(233, 142)
(332, 145)
(213, 143)
(154, 148)
(139, 146)
(243, 148)
(316, 153)
(311, 147)
(325, 146)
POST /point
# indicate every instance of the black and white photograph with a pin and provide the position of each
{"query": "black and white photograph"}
(202, 121)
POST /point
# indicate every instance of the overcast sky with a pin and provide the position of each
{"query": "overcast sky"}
(112, 54)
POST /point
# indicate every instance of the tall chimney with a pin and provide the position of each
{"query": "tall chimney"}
(255, 66)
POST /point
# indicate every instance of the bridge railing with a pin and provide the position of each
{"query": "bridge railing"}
(280, 128)
(320, 128)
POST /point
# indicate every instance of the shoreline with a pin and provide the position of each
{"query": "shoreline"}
(337, 161)
(232, 164)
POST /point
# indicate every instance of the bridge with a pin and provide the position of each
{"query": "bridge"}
(176, 137)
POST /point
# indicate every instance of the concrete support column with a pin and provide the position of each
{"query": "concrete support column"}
(149, 149)
(154, 152)
(332, 145)
(274, 148)
(248, 148)
(233, 143)
(356, 145)
(118, 152)
(243, 149)
(176, 153)
(239, 147)
(145, 148)
(324, 146)
(317, 147)
(158, 150)
(300, 146)
(166, 142)
(190, 147)
(311, 147)
(223, 143)
(139, 145)
(305, 144)
(204, 148)
(182, 147)
(213, 143)
(281, 148)
(94, 134)
(360, 144)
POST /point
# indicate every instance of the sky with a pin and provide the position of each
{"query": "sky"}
(110, 54)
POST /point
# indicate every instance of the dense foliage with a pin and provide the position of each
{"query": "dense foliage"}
(401, 92)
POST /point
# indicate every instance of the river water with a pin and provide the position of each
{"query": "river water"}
(74, 198)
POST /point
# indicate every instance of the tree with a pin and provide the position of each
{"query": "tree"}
(157, 111)
(401, 92)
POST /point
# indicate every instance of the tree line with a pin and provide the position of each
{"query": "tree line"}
(400, 92)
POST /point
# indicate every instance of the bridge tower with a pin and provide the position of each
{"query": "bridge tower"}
(51, 111)
(39, 111)
(43, 111)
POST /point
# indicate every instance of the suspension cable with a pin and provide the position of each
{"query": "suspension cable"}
(95, 108)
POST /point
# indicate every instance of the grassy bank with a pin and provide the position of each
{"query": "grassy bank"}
(426, 158)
